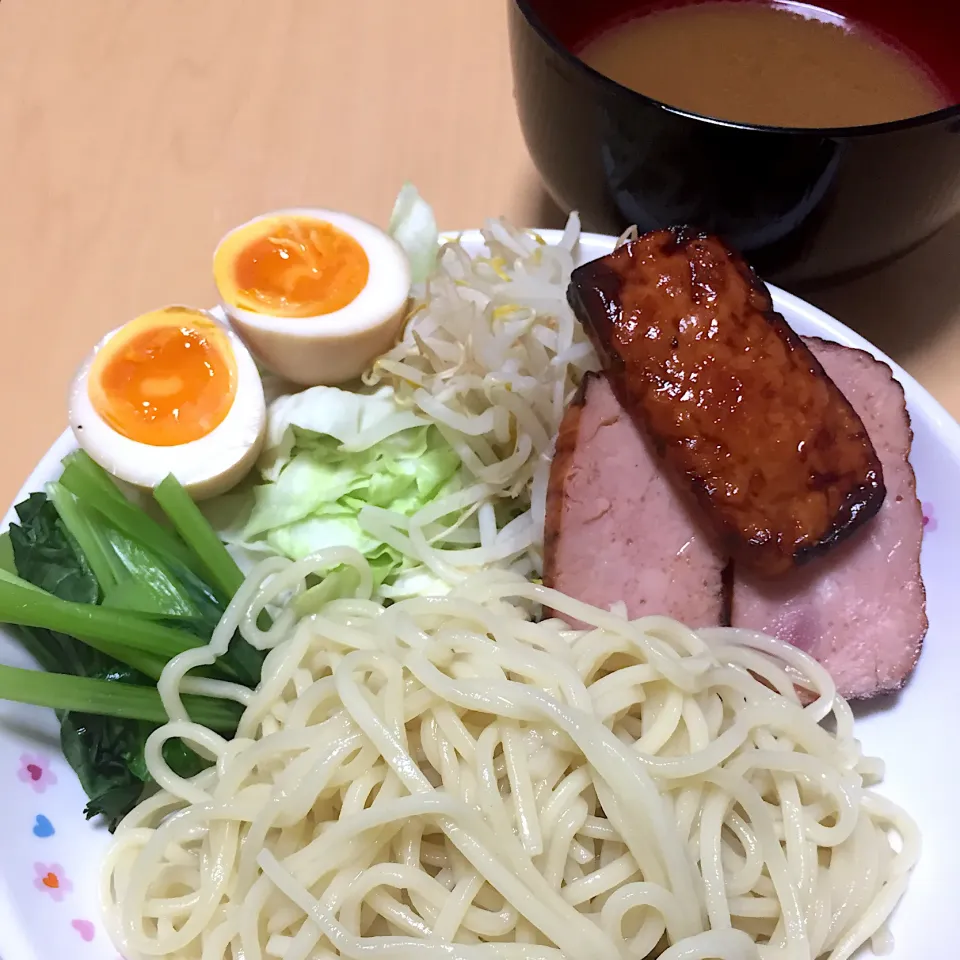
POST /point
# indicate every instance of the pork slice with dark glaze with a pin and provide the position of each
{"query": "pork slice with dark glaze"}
(861, 613)
(616, 529)
(734, 403)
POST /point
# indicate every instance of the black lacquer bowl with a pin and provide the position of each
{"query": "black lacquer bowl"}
(801, 204)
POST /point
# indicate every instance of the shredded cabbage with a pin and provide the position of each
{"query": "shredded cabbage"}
(413, 226)
(321, 473)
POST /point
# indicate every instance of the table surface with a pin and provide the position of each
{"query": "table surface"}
(134, 134)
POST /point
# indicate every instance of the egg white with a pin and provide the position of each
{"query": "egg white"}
(207, 466)
(335, 347)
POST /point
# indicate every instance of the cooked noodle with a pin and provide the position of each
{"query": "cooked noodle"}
(446, 778)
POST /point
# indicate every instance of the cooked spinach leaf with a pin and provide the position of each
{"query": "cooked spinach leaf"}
(45, 556)
(106, 753)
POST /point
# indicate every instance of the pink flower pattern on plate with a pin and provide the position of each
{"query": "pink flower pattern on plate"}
(51, 879)
(35, 771)
(85, 928)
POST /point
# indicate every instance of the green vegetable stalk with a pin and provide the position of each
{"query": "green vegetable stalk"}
(109, 699)
(104, 595)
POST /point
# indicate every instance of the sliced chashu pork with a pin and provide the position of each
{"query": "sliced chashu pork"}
(741, 414)
(861, 610)
(616, 529)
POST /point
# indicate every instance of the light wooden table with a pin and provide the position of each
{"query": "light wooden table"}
(134, 133)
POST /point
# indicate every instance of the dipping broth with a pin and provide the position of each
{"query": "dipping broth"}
(776, 64)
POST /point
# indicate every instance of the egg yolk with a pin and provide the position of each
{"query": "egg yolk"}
(300, 268)
(165, 379)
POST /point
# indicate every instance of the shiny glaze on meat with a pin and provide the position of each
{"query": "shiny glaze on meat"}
(733, 401)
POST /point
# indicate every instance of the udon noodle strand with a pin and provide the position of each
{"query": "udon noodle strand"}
(446, 778)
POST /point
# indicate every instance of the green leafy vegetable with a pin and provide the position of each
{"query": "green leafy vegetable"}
(40, 547)
(107, 755)
(45, 554)
(7, 564)
(104, 566)
(189, 522)
(118, 694)
(330, 454)
(152, 570)
(98, 492)
(21, 605)
(105, 596)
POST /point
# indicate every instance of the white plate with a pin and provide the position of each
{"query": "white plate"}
(913, 732)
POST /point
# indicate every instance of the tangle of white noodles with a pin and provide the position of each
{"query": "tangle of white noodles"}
(445, 778)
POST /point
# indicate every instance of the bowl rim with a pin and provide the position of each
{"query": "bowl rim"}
(861, 131)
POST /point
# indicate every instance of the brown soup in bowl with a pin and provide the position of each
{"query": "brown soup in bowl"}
(779, 63)
(820, 139)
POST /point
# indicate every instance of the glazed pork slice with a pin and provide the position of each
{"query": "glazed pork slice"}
(738, 409)
(861, 612)
(615, 527)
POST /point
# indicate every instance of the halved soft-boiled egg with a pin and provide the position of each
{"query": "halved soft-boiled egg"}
(173, 391)
(317, 295)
